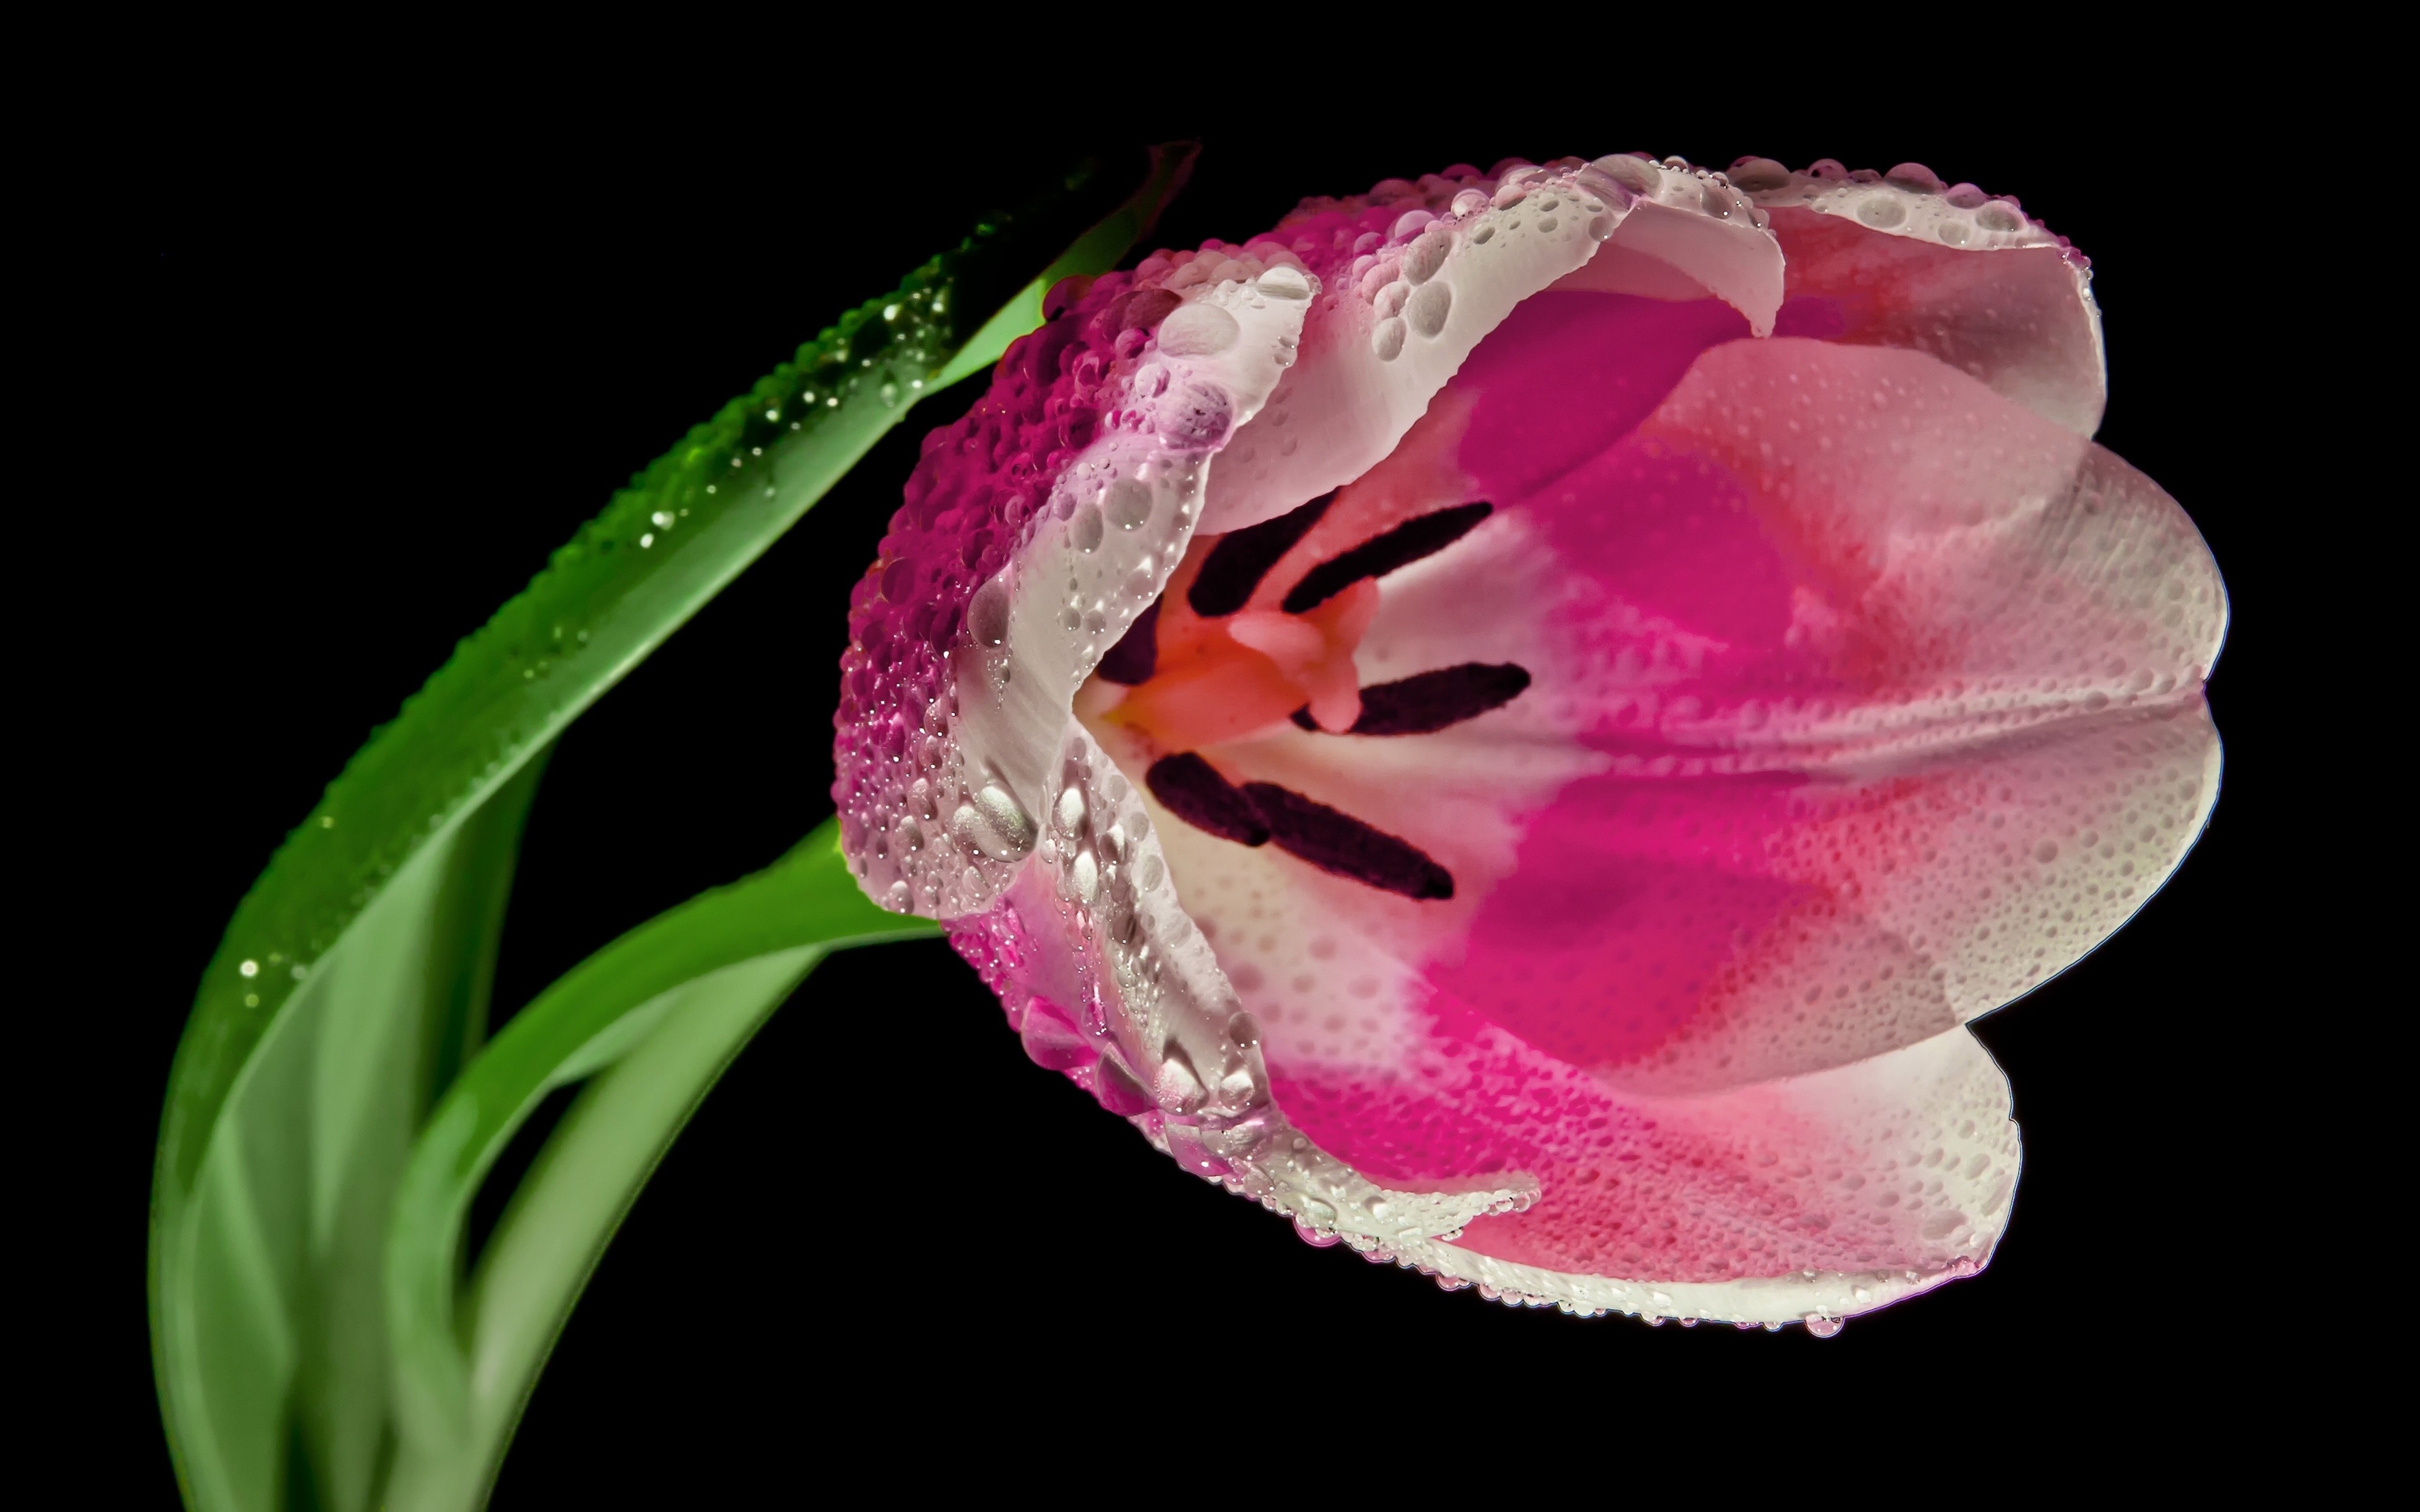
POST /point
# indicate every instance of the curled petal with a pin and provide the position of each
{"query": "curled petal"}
(1409, 293)
(1907, 261)
(1036, 531)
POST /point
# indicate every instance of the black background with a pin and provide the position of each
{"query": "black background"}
(347, 367)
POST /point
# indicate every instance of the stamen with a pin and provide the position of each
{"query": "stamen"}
(1424, 536)
(1192, 790)
(1336, 841)
(1240, 558)
(1429, 701)
(1136, 656)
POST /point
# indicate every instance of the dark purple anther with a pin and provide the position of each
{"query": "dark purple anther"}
(1241, 558)
(1405, 544)
(1192, 790)
(1428, 702)
(1338, 842)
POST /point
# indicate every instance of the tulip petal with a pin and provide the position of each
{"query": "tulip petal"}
(1608, 752)
(1898, 687)
(1415, 279)
(1855, 680)
(1036, 531)
(1908, 262)
(1816, 1198)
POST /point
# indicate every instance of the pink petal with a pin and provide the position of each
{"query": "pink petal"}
(1851, 693)
(1956, 275)
(1893, 689)
(1830, 1193)
(1930, 726)
(1371, 355)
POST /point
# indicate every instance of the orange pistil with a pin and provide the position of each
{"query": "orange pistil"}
(1219, 679)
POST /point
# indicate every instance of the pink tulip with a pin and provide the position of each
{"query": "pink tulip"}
(1656, 653)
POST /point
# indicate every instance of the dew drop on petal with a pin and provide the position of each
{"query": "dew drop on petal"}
(1198, 331)
(1129, 504)
(987, 616)
(1284, 282)
(1881, 211)
(1427, 255)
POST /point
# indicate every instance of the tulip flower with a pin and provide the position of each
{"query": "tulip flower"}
(1515, 719)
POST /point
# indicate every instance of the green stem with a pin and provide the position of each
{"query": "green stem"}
(655, 1018)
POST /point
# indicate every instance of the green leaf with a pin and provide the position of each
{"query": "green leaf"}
(351, 983)
(666, 1008)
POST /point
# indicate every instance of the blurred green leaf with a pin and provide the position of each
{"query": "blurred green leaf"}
(352, 981)
(665, 1008)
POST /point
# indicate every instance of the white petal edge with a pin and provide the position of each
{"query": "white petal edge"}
(1942, 1085)
(1115, 525)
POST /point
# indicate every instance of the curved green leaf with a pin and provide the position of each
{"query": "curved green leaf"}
(352, 978)
(665, 1008)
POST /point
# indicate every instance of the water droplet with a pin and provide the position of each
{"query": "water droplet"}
(1429, 306)
(1881, 211)
(1086, 530)
(1179, 1086)
(988, 615)
(1757, 175)
(1129, 503)
(1821, 1326)
(1427, 254)
(1387, 341)
(994, 824)
(1198, 330)
(1284, 282)
(1070, 811)
(1634, 174)
(249, 968)
(1150, 874)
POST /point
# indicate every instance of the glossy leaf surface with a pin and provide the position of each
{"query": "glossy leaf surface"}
(654, 1017)
(351, 983)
